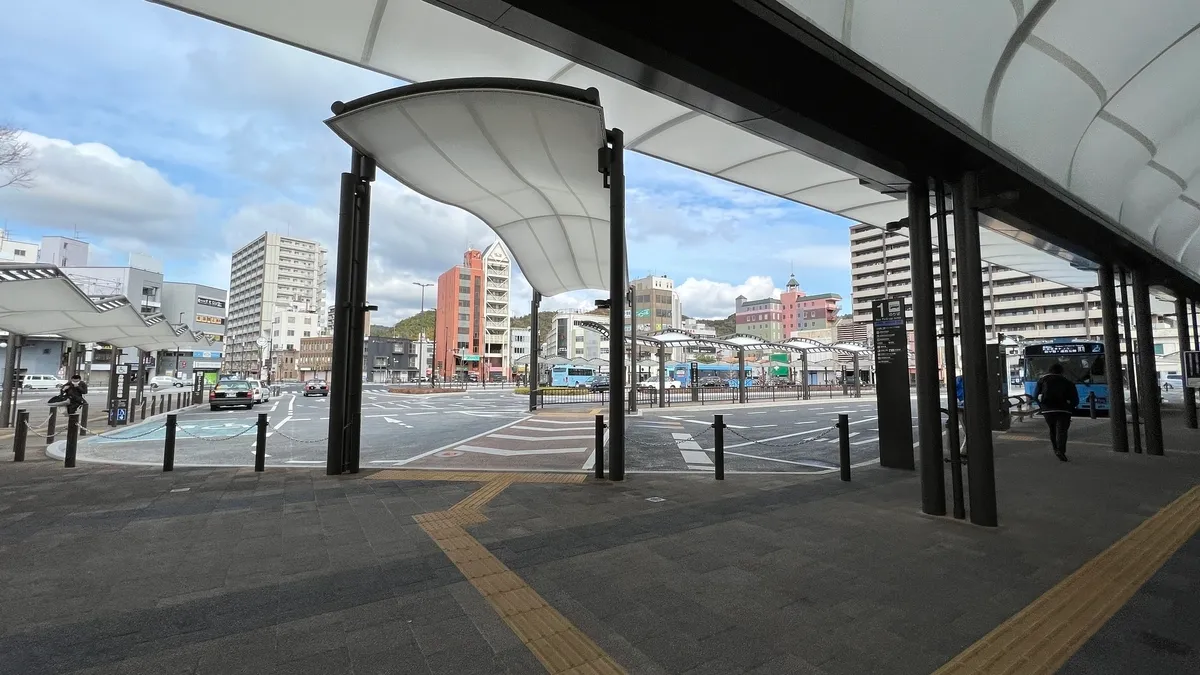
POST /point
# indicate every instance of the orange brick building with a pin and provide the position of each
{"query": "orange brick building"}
(472, 317)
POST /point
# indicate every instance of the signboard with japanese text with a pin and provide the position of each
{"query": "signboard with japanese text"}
(891, 383)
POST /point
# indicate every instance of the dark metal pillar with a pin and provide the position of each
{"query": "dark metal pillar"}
(614, 169)
(350, 301)
(804, 374)
(1189, 394)
(9, 393)
(981, 469)
(141, 376)
(633, 350)
(1130, 371)
(662, 376)
(535, 345)
(1112, 359)
(1147, 374)
(950, 359)
(741, 374)
(857, 377)
(929, 417)
(1195, 325)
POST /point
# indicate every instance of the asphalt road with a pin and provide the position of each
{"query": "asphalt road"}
(396, 428)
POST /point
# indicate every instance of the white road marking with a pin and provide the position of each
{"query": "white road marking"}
(684, 419)
(301, 419)
(757, 412)
(807, 422)
(431, 412)
(869, 440)
(396, 421)
(514, 437)
(579, 428)
(814, 464)
(512, 453)
(692, 457)
(776, 438)
(304, 461)
(545, 421)
(291, 404)
(448, 446)
(865, 419)
(763, 426)
(283, 422)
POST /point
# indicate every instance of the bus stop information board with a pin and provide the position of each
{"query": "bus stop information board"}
(891, 385)
(1191, 369)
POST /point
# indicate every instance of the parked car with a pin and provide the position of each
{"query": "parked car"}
(316, 388)
(653, 384)
(711, 381)
(262, 393)
(231, 394)
(1171, 381)
(599, 383)
(165, 381)
(52, 382)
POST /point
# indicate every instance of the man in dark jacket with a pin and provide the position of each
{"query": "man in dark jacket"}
(1058, 398)
(74, 391)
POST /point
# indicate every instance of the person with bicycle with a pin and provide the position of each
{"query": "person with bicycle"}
(1057, 398)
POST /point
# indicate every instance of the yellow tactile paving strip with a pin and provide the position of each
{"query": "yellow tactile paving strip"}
(1041, 637)
(561, 647)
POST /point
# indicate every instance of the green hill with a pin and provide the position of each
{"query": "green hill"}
(544, 319)
(409, 328)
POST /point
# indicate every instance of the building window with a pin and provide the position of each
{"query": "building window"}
(291, 319)
(291, 333)
(307, 322)
(308, 333)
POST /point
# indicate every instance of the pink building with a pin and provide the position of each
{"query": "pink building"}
(807, 312)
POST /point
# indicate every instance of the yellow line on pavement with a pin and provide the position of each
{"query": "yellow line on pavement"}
(561, 647)
(1041, 637)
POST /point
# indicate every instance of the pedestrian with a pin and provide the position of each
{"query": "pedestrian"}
(74, 390)
(1057, 398)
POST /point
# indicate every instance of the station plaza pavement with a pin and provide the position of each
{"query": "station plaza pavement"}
(118, 569)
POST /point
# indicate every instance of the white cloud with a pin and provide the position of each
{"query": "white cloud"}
(705, 298)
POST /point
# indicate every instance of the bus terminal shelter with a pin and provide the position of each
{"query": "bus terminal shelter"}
(1060, 137)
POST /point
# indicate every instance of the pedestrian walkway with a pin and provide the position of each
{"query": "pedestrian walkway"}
(116, 569)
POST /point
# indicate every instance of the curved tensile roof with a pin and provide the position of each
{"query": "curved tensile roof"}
(38, 299)
(1118, 136)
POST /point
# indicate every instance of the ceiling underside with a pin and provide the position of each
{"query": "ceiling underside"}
(1100, 96)
(418, 42)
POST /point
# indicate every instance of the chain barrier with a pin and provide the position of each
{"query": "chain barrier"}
(113, 433)
(44, 426)
(670, 443)
(216, 439)
(792, 444)
(301, 440)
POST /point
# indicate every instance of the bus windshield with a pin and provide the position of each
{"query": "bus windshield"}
(1079, 368)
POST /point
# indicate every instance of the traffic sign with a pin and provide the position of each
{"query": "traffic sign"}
(1191, 369)
(123, 369)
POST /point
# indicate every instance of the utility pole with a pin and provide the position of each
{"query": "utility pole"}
(421, 336)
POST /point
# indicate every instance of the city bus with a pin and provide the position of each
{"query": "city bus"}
(711, 375)
(1082, 362)
(572, 376)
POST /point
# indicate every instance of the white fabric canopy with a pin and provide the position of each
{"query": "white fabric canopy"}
(954, 52)
(38, 299)
(1101, 96)
(524, 162)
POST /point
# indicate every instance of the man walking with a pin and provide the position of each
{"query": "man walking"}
(1058, 398)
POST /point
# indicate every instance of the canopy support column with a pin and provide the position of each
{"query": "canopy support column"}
(8, 394)
(857, 377)
(532, 378)
(741, 375)
(1112, 359)
(662, 376)
(929, 417)
(981, 469)
(350, 301)
(1130, 371)
(1189, 394)
(804, 375)
(141, 374)
(614, 170)
(949, 358)
(1147, 375)
(633, 350)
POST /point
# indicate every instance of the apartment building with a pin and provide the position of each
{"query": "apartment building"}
(290, 324)
(12, 250)
(803, 312)
(1015, 303)
(761, 318)
(272, 271)
(519, 346)
(472, 316)
(314, 360)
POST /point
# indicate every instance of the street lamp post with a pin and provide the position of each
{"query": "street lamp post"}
(175, 372)
(421, 336)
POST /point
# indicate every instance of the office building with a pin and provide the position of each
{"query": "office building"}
(141, 282)
(803, 312)
(63, 252)
(472, 316)
(389, 359)
(519, 345)
(567, 339)
(202, 309)
(425, 355)
(272, 272)
(314, 359)
(761, 318)
(290, 324)
(12, 250)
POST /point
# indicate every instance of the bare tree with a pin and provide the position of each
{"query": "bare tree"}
(14, 159)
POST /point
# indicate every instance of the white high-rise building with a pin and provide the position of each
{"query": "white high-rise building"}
(273, 272)
(497, 276)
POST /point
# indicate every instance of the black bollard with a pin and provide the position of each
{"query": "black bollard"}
(843, 425)
(144, 408)
(153, 406)
(83, 419)
(51, 424)
(600, 427)
(1091, 400)
(718, 427)
(20, 434)
(72, 440)
(169, 445)
(260, 443)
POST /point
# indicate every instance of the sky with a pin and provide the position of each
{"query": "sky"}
(161, 133)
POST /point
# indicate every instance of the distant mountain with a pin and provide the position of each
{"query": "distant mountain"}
(544, 324)
(726, 326)
(410, 328)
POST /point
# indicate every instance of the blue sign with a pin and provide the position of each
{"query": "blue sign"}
(206, 355)
(121, 412)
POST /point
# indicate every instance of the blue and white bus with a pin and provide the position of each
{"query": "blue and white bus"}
(711, 374)
(572, 376)
(1082, 362)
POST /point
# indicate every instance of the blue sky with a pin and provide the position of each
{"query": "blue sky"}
(161, 133)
